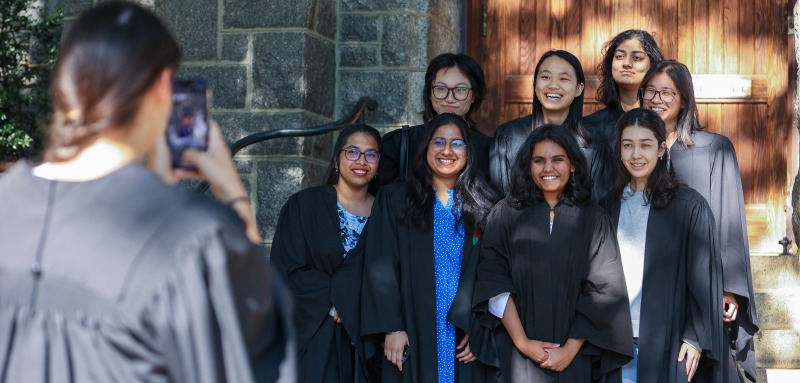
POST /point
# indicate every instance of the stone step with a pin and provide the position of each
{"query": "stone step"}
(775, 272)
(778, 349)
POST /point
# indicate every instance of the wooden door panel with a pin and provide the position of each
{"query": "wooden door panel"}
(711, 37)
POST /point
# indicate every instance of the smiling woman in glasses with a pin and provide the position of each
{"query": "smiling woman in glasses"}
(317, 249)
(419, 267)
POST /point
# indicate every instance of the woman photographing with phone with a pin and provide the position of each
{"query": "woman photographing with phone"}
(109, 274)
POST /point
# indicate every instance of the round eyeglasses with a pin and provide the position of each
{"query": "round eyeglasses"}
(460, 93)
(665, 95)
(354, 154)
(456, 146)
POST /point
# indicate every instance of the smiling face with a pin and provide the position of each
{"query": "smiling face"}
(550, 169)
(556, 85)
(446, 164)
(357, 173)
(630, 64)
(451, 78)
(668, 111)
(640, 152)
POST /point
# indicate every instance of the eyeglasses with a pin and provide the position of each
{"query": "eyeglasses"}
(457, 145)
(354, 154)
(665, 95)
(460, 93)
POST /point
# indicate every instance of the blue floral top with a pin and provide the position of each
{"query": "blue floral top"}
(448, 244)
(351, 226)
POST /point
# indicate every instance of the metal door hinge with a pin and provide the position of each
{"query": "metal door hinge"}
(484, 18)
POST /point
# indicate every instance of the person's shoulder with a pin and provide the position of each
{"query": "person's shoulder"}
(314, 192)
(395, 134)
(687, 195)
(598, 117)
(506, 127)
(708, 139)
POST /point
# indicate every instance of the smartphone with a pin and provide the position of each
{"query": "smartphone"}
(188, 122)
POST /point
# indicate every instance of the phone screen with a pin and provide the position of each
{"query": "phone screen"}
(188, 122)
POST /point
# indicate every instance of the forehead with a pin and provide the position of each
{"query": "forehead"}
(631, 45)
(548, 148)
(450, 131)
(637, 133)
(451, 76)
(661, 81)
(360, 140)
(555, 64)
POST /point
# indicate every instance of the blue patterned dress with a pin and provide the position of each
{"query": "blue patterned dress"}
(351, 226)
(448, 245)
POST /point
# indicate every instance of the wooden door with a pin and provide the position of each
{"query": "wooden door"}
(712, 37)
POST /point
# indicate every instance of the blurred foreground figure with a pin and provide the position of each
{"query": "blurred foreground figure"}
(109, 274)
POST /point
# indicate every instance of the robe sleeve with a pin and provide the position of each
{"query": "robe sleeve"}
(704, 285)
(222, 314)
(346, 290)
(309, 286)
(603, 312)
(381, 300)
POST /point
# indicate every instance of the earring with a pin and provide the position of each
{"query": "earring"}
(660, 158)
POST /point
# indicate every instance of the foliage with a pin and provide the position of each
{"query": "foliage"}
(28, 48)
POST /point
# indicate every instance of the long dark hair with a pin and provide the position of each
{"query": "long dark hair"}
(608, 90)
(473, 196)
(573, 121)
(524, 191)
(109, 58)
(469, 67)
(331, 174)
(688, 121)
(661, 184)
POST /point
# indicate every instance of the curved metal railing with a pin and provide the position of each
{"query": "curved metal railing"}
(356, 114)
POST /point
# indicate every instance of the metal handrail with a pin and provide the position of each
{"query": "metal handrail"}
(356, 114)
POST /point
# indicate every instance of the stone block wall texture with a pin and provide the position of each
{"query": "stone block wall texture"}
(273, 64)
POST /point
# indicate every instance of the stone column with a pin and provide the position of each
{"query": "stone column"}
(384, 48)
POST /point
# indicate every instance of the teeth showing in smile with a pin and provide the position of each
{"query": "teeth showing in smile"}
(658, 110)
(549, 178)
(553, 96)
(359, 172)
(447, 161)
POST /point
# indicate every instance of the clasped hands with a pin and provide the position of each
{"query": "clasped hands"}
(551, 356)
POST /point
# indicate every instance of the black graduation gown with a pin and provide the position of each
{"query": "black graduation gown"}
(400, 292)
(510, 136)
(604, 122)
(307, 250)
(390, 166)
(127, 279)
(681, 289)
(565, 285)
(710, 167)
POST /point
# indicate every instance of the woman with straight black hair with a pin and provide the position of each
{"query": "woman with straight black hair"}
(671, 260)
(318, 248)
(549, 287)
(420, 260)
(109, 274)
(626, 59)
(454, 83)
(707, 163)
(558, 86)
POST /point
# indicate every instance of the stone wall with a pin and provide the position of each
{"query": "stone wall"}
(287, 64)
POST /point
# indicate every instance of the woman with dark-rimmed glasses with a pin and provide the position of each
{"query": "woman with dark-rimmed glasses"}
(419, 266)
(318, 249)
(454, 83)
(707, 163)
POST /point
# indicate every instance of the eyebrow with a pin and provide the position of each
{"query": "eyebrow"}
(548, 71)
(631, 139)
(446, 85)
(624, 51)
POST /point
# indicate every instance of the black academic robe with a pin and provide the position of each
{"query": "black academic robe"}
(390, 157)
(400, 292)
(681, 289)
(568, 284)
(307, 250)
(510, 136)
(710, 167)
(604, 122)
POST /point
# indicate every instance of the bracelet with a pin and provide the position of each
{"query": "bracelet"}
(234, 201)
